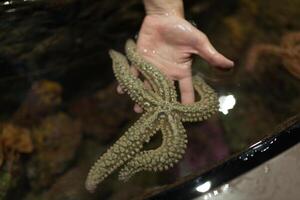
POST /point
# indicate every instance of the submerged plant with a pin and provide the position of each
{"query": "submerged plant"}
(162, 112)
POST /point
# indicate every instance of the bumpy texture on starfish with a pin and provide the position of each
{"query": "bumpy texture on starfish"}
(162, 112)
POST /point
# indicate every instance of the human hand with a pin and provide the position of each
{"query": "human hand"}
(168, 42)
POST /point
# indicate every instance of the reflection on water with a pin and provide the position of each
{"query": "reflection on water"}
(227, 102)
(59, 108)
(216, 192)
(204, 187)
(6, 2)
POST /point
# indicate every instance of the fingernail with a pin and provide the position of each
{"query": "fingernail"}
(230, 63)
(226, 62)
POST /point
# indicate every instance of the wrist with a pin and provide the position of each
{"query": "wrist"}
(164, 7)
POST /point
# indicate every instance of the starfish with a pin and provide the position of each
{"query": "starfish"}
(288, 51)
(162, 112)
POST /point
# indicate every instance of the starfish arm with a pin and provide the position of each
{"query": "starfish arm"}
(170, 152)
(202, 109)
(157, 80)
(131, 84)
(290, 40)
(262, 49)
(123, 150)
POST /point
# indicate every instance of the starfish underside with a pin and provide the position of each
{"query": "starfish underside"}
(162, 112)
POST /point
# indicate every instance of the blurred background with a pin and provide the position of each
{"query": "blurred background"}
(59, 106)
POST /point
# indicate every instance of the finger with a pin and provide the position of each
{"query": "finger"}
(147, 85)
(210, 54)
(134, 71)
(137, 109)
(186, 90)
(120, 90)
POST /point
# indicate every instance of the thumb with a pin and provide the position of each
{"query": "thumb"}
(206, 50)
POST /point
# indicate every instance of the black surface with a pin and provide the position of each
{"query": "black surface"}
(258, 153)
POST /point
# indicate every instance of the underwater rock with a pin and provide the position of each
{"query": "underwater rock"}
(69, 186)
(103, 114)
(276, 17)
(14, 141)
(1, 156)
(5, 184)
(56, 141)
(53, 39)
(206, 147)
(12, 182)
(42, 99)
(16, 134)
(127, 192)
(65, 188)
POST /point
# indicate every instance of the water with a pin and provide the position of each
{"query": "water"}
(60, 110)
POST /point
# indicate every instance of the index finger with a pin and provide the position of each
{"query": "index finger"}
(186, 90)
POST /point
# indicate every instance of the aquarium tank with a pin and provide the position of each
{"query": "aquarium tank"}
(61, 113)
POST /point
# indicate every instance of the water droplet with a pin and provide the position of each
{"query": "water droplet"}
(265, 149)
